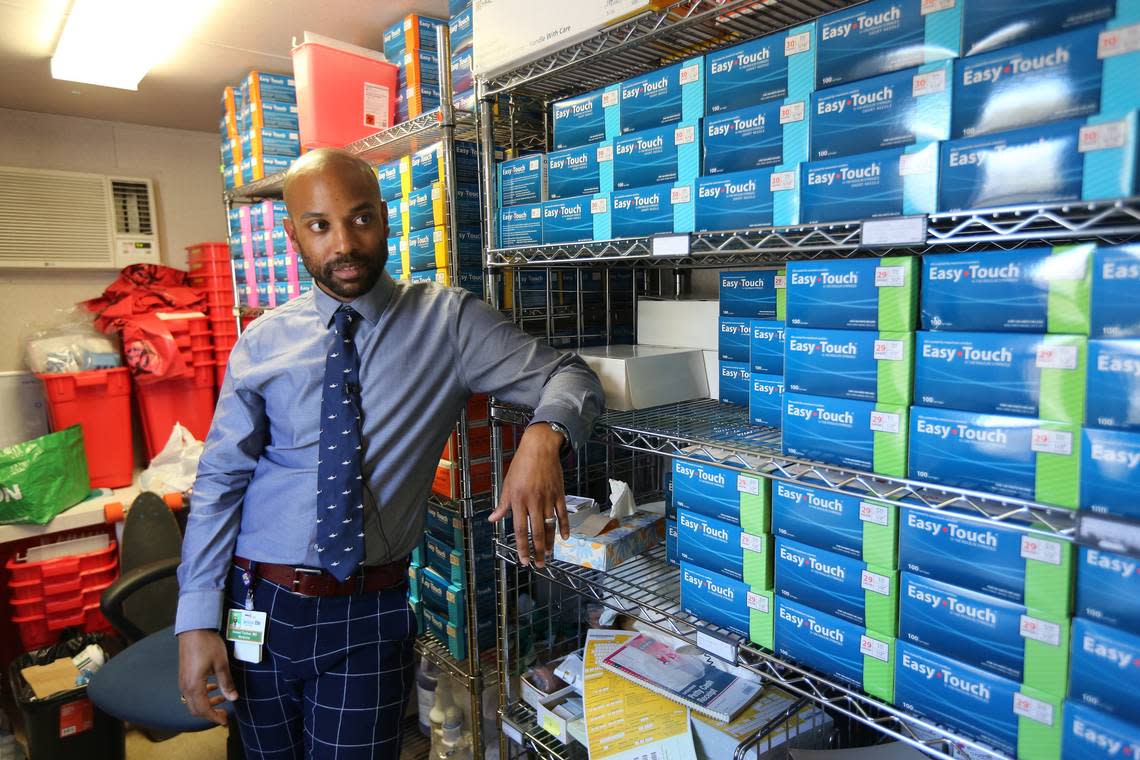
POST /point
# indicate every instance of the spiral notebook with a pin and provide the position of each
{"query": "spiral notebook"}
(697, 681)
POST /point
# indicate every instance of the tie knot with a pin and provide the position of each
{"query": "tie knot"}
(344, 319)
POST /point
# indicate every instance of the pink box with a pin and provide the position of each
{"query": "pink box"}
(344, 92)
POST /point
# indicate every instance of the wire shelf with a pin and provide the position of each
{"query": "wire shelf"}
(520, 723)
(436, 652)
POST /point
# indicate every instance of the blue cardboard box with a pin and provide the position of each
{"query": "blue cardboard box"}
(1093, 735)
(1064, 76)
(644, 211)
(418, 67)
(1115, 312)
(888, 111)
(855, 364)
(754, 137)
(522, 180)
(426, 208)
(836, 522)
(766, 400)
(572, 220)
(766, 348)
(584, 119)
(1108, 588)
(720, 547)
(777, 67)
(670, 153)
(461, 30)
(843, 587)
(1110, 474)
(885, 35)
(1023, 457)
(425, 165)
(664, 96)
(751, 294)
(854, 294)
(725, 495)
(1007, 563)
(735, 336)
(462, 77)
(397, 217)
(843, 650)
(1034, 290)
(272, 115)
(1106, 669)
(1002, 373)
(997, 23)
(390, 177)
(1002, 637)
(743, 200)
(715, 598)
(1013, 719)
(1041, 164)
(891, 182)
(735, 383)
(413, 32)
(577, 171)
(672, 555)
(861, 435)
(520, 225)
(426, 249)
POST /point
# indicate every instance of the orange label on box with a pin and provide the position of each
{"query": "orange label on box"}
(76, 717)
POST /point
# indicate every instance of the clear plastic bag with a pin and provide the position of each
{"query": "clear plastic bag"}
(73, 346)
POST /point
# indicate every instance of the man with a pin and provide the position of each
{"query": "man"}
(310, 492)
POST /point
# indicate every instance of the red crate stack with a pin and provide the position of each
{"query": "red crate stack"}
(188, 398)
(209, 265)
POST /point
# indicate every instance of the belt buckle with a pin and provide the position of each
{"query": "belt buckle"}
(301, 571)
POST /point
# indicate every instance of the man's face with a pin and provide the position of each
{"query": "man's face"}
(339, 226)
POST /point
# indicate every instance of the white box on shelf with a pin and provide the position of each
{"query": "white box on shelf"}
(556, 713)
(678, 324)
(636, 377)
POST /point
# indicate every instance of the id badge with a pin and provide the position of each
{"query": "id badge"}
(246, 629)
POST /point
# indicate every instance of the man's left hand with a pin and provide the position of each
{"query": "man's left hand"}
(534, 490)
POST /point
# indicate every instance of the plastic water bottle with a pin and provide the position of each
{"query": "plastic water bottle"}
(427, 679)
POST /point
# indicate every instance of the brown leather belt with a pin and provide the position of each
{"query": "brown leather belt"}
(309, 581)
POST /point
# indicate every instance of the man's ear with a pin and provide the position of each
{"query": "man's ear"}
(291, 231)
(384, 218)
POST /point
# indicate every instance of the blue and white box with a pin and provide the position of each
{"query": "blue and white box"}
(1023, 457)
(861, 435)
(520, 225)
(584, 119)
(715, 598)
(460, 30)
(725, 495)
(1108, 588)
(754, 137)
(853, 294)
(721, 547)
(652, 210)
(1110, 472)
(664, 96)
(425, 165)
(836, 522)
(885, 35)
(855, 364)
(419, 30)
(766, 348)
(462, 77)
(843, 587)
(1106, 669)
(522, 180)
(743, 200)
(397, 217)
(389, 177)
(766, 400)
(577, 171)
(1115, 311)
(997, 23)
(1059, 77)
(735, 336)
(671, 153)
(572, 220)
(891, 182)
(1076, 159)
(272, 115)
(1008, 563)
(888, 111)
(1093, 735)
(735, 383)
(777, 67)
(671, 552)
(749, 294)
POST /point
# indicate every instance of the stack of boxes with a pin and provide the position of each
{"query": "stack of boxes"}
(269, 271)
(412, 44)
(209, 270)
(268, 125)
(230, 131)
(461, 33)
(750, 342)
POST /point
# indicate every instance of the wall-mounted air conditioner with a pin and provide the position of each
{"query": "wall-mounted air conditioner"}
(71, 220)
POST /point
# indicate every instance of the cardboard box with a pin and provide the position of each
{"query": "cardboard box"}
(1023, 457)
(766, 347)
(727, 495)
(1108, 588)
(580, 171)
(861, 435)
(522, 180)
(745, 200)
(425, 208)
(418, 67)
(636, 377)
(840, 523)
(1110, 472)
(635, 535)
(672, 553)
(1026, 646)
(454, 637)
(1116, 275)
(734, 338)
(1106, 669)
(651, 210)
(572, 220)
(394, 180)
(520, 225)
(679, 324)
(413, 32)
(847, 652)
(1010, 564)
(719, 546)
(854, 294)
(734, 383)
(779, 66)
(757, 136)
(766, 400)
(425, 167)
(270, 142)
(460, 30)
(269, 115)
(1092, 734)
(855, 364)
(583, 120)
(755, 294)
(669, 153)
(668, 95)
(997, 23)
(715, 599)
(761, 618)
(426, 249)
(552, 713)
(261, 87)
(889, 182)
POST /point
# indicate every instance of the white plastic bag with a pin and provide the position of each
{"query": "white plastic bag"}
(175, 466)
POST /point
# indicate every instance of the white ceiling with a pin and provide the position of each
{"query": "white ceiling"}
(185, 91)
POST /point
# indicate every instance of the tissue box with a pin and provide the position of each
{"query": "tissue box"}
(854, 294)
(645, 211)
(847, 652)
(887, 111)
(1022, 457)
(636, 377)
(855, 364)
(572, 220)
(715, 599)
(1002, 373)
(1034, 290)
(757, 136)
(885, 35)
(997, 23)
(735, 338)
(735, 383)
(836, 585)
(1087, 159)
(766, 346)
(775, 67)
(583, 120)
(1003, 562)
(766, 400)
(756, 294)
(1115, 311)
(891, 182)
(839, 523)
(722, 494)
(1108, 588)
(578, 171)
(520, 225)
(1109, 472)
(635, 535)
(1092, 734)
(669, 94)
(861, 435)
(522, 180)
(671, 153)
(1026, 646)
(724, 548)
(1106, 669)
(1016, 720)
(744, 200)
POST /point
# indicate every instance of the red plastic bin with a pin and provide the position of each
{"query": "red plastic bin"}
(188, 400)
(344, 93)
(204, 251)
(100, 402)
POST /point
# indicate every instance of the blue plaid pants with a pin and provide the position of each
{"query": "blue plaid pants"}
(334, 676)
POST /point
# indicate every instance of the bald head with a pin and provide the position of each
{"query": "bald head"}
(332, 163)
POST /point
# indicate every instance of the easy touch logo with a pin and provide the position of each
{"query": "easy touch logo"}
(844, 174)
(825, 279)
(1010, 272)
(741, 59)
(819, 412)
(746, 282)
(569, 161)
(956, 606)
(963, 432)
(1121, 657)
(1102, 741)
(700, 526)
(856, 100)
(864, 23)
(1111, 455)
(1117, 364)
(809, 498)
(726, 127)
(705, 476)
(581, 109)
(1113, 563)
(708, 584)
(1016, 65)
(728, 189)
(822, 346)
(801, 621)
(629, 146)
(970, 355)
(1120, 270)
(800, 560)
(637, 201)
(973, 536)
(645, 87)
(947, 676)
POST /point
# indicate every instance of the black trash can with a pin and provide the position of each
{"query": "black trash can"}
(66, 726)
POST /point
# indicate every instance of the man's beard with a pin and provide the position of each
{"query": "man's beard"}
(371, 266)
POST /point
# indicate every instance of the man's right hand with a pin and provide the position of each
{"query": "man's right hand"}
(202, 654)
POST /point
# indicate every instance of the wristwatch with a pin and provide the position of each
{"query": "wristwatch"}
(560, 429)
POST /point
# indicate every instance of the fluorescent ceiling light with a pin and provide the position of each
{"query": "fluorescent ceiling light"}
(114, 43)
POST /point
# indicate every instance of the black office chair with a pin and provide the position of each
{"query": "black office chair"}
(140, 684)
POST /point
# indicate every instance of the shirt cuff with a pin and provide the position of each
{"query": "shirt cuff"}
(567, 418)
(199, 610)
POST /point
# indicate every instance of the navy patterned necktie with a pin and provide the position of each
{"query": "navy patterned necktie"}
(340, 506)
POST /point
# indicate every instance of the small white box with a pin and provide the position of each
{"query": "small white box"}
(637, 377)
(551, 721)
(678, 324)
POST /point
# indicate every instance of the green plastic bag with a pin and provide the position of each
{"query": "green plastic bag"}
(42, 477)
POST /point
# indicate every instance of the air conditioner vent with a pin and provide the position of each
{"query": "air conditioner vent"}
(132, 207)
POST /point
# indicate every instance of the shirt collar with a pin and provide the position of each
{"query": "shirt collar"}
(370, 305)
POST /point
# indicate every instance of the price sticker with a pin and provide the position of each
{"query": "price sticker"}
(551, 725)
(930, 83)
(609, 98)
(792, 112)
(435, 194)
(536, 213)
(748, 484)
(884, 422)
(782, 181)
(1034, 709)
(781, 282)
(598, 206)
(717, 647)
(751, 543)
(890, 277)
(1111, 134)
(437, 235)
(684, 135)
(1052, 442)
(758, 602)
(670, 245)
(879, 584)
(1041, 630)
(871, 512)
(933, 6)
(1112, 42)
(1057, 357)
(605, 153)
(888, 350)
(682, 194)
(690, 73)
(1040, 549)
(533, 164)
(874, 648)
(915, 164)
(797, 43)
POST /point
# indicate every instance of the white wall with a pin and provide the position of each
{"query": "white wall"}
(187, 186)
